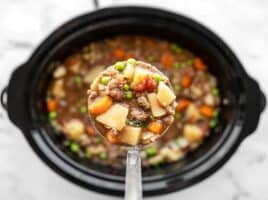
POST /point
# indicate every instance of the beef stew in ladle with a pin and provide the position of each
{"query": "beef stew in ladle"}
(131, 103)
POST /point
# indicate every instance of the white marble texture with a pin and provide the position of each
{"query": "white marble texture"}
(243, 24)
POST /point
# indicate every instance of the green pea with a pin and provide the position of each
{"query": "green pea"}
(132, 61)
(74, 147)
(215, 113)
(88, 154)
(83, 109)
(151, 151)
(174, 47)
(126, 87)
(215, 92)
(150, 58)
(103, 155)
(105, 80)
(78, 79)
(128, 94)
(52, 115)
(177, 88)
(189, 62)
(120, 66)
(157, 77)
(212, 123)
(177, 115)
(177, 65)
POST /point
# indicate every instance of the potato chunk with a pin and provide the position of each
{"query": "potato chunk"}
(74, 129)
(157, 110)
(165, 95)
(140, 74)
(192, 133)
(114, 117)
(130, 135)
(129, 71)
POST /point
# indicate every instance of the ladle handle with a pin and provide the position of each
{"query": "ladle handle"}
(133, 186)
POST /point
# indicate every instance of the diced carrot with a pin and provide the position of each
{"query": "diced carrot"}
(167, 60)
(111, 137)
(182, 104)
(155, 127)
(186, 81)
(206, 110)
(119, 53)
(51, 105)
(100, 105)
(90, 131)
(198, 63)
(72, 60)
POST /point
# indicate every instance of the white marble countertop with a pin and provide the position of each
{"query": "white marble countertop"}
(242, 24)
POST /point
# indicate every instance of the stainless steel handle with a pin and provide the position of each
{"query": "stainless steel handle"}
(133, 186)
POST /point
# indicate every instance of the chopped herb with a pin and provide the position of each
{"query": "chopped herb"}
(120, 66)
(103, 155)
(212, 123)
(132, 61)
(151, 151)
(136, 123)
(215, 92)
(150, 58)
(151, 117)
(78, 80)
(74, 147)
(83, 109)
(52, 115)
(105, 80)
(174, 47)
(128, 94)
(177, 65)
(126, 87)
(157, 77)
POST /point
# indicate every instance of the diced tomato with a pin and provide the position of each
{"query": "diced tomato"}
(147, 84)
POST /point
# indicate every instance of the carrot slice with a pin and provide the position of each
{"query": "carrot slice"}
(182, 104)
(155, 127)
(119, 53)
(100, 105)
(199, 64)
(52, 105)
(206, 110)
(186, 81)
(90, 131)
(112, 137)
(167, 60)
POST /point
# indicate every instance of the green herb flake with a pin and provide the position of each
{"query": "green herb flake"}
(212, 123)
(126, 87)
(177, 65)
(174, 47)
(74, 147)
(215, 92)
(78, 80)
(128, 95)
(150, 58)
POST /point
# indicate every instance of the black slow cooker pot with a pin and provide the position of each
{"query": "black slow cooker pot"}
(28, 84)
